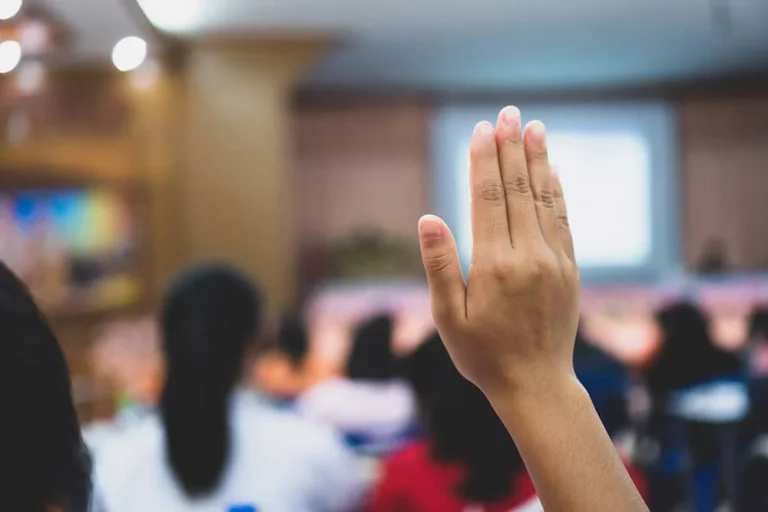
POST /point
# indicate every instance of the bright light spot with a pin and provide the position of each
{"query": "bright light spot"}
(129, 53)
(10, 56)
(30, 77)
(174, 16)
(9, 8)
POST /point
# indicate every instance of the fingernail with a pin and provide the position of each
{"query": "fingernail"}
(430, 229)
(510, 116)
(537, 132)
(484, 129)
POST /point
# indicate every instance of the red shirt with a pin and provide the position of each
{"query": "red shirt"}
(413, 482)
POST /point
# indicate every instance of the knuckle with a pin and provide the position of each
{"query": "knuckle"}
(540, 268)
(491, 191)
(513, 141)
(518, 185)
(546, 198)
(501, 270)
(437, 264)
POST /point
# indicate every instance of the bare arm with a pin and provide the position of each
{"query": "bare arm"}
(569, 456)
(511, 327)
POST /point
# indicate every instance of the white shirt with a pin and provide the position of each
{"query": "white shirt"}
(277, 463)
(378, 410)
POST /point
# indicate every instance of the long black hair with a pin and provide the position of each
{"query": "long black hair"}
(372, 357)
(43, 461)
(462, 425)
(209, 318)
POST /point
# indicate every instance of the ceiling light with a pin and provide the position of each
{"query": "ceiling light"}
(174, 16)
(10, 56)
(9, 8)
(129, 53)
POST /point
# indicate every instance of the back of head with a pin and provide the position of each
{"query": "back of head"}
(688, 355)
(372, 357)
(43, 463)
(758, 324)
(293, 340)
(209, 318)
(462, 426)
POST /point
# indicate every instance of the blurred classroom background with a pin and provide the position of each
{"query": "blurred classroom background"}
(302, 140)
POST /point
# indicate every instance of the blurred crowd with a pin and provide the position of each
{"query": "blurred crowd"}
(401, 430)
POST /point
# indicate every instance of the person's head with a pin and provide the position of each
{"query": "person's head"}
(209, 322)
(293, 340)
(372, 357)
(684, 328)
(758, 324)
(44, 464)
(461, 424)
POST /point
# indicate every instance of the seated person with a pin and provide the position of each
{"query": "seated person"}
(688, 358)
(466, 461)
(44, 466)
(283, 372)
(215, 446)
(371, 403)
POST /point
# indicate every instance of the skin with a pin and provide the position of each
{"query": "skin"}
(510, 328)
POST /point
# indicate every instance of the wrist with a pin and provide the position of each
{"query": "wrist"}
(538, 389)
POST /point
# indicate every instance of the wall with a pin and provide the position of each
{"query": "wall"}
(367, 162)
(359, 166)
(725, 176)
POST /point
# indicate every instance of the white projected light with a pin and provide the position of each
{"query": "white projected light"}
(9, 8)
(607, 178)
(10, 56)
(129, 53)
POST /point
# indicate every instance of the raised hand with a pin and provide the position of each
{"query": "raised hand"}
(514, 323)
(511, 328)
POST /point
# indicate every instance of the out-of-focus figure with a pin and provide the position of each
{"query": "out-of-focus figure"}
(44, 464)
(284, 372)
(697, 401)
(214, 445)
(371, 403)
(714, 259)
(466, 461)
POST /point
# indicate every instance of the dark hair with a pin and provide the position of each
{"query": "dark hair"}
(372, 357)
(43, 460)
(462, 425)
(209, 317)
(687, 356)
(293, 340)
(758, 322)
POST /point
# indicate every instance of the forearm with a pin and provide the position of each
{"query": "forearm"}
(566, 449)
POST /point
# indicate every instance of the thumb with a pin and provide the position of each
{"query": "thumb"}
(441, 263)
